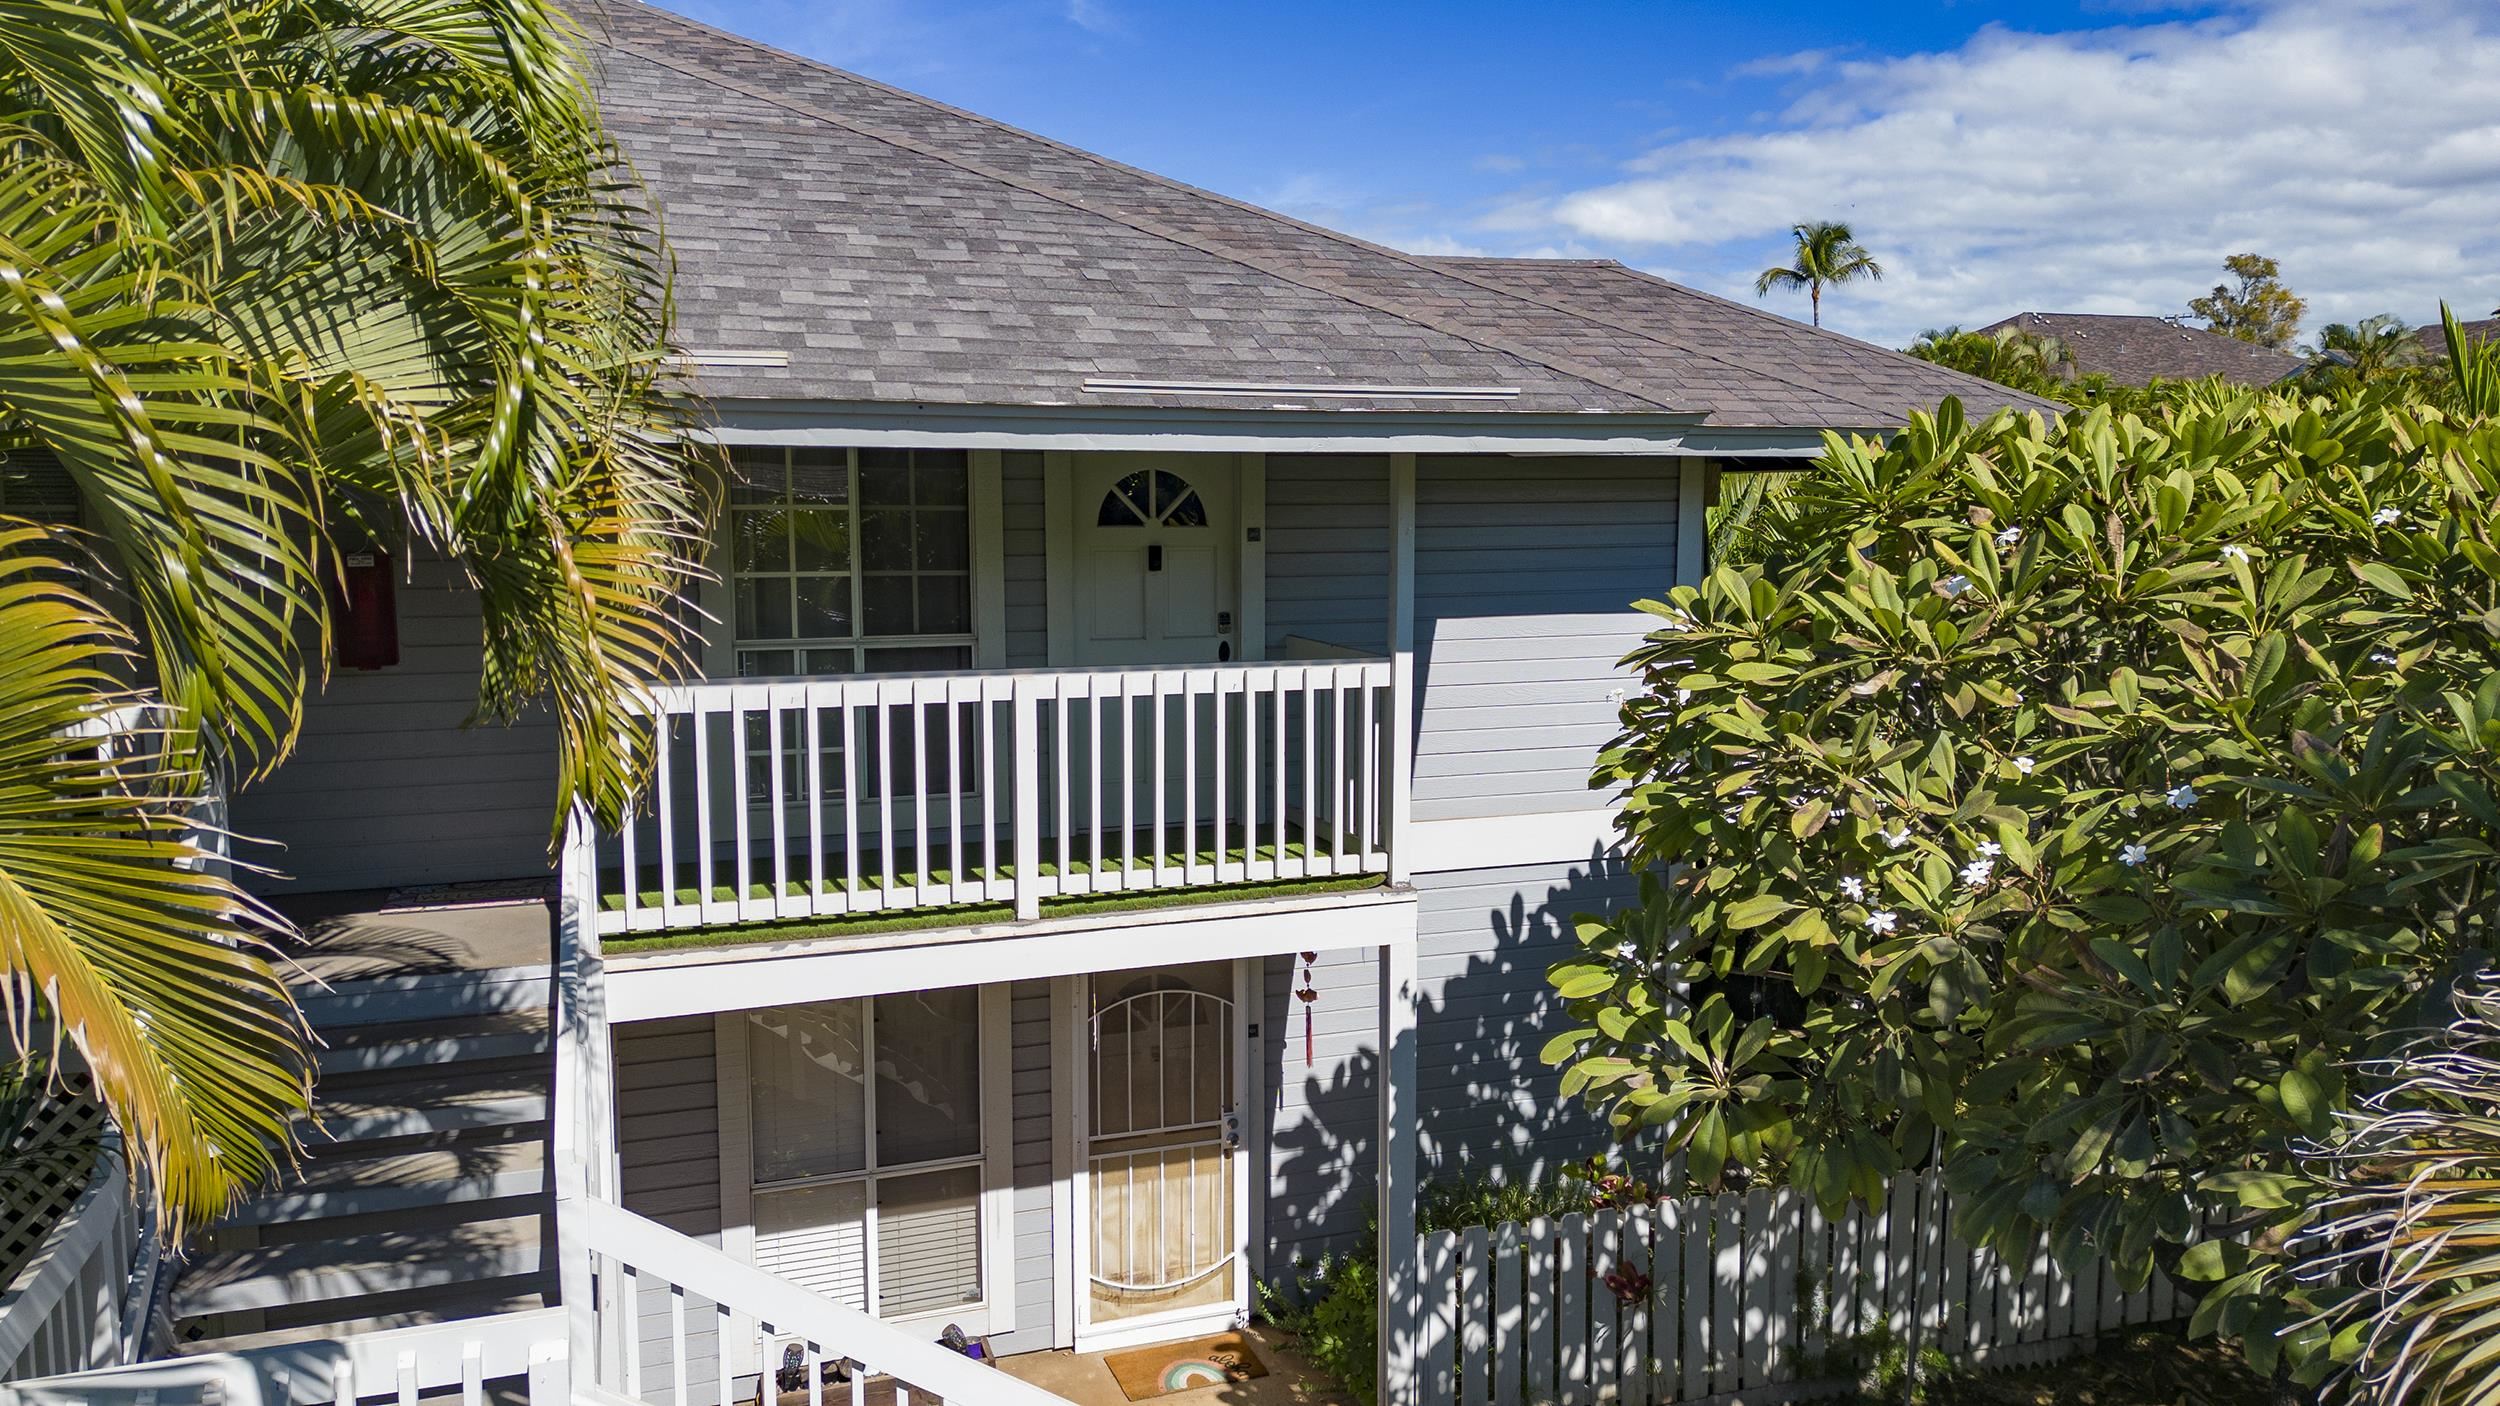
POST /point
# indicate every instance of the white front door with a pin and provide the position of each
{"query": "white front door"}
(1162, 1242)
(1156, 566)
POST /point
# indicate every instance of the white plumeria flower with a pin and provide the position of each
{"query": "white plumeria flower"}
(1627, 950)
(2024, 765)
(1852, 887)
(2009, 536)
(1897, 838)
(1882, 920)
(1978, 871)
(1991, 848)
(2182, 798)
(2235, 552)
(2134, 855)
(2386, 516)
(1953, 586)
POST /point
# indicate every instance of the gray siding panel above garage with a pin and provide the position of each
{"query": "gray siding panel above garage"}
(387, 788)
(1525, 573)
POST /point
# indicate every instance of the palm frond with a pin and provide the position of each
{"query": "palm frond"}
(2411, 1242)
(118, 931)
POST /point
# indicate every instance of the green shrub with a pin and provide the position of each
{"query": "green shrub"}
(2081, 798)
(1333, 1313)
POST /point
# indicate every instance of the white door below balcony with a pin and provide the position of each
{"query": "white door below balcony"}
(775, 800)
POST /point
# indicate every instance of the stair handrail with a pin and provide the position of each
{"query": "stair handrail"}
(621, 1242)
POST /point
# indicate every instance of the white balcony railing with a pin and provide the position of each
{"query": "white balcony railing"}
(826, 797)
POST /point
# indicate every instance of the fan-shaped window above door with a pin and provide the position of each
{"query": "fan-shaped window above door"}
(1151, 496)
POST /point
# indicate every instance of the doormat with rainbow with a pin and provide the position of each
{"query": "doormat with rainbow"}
(1148, 1372)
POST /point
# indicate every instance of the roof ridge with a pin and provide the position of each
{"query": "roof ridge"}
(1303, 278)
(1645, 276)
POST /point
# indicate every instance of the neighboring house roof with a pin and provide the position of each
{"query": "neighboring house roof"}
(2135, 349)
(2434, 336)
(852, 242)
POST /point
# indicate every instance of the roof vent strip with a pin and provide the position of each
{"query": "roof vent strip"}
(1332, 391)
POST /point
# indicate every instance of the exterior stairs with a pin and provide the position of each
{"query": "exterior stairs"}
(423, 1194)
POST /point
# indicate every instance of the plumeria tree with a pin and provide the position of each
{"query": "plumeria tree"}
(2078, 800)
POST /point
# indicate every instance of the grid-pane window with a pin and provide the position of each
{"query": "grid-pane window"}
(850, 561)
(34, 485)
(866, 1126)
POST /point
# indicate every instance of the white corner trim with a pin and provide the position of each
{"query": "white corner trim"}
(1692, 521)
(998, 1177)
(1501, 841)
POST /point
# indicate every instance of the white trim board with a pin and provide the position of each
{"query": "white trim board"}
(679, 983)
(1506, 841)
(1275, 431)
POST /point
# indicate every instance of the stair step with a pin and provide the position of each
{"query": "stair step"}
(441, 1103)
(314, 1272)
(383, 1322)
(433, 1044)
(341, 1184)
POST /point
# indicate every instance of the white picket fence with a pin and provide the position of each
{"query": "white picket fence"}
(1751, 1295)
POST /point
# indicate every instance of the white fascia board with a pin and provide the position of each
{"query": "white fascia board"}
(1240, 432)
(657, 985)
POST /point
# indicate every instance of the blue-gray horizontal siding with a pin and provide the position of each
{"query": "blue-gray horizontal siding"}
(1525, 573)
(1032, 1137)
(668, 1154)
(1486, 1106)
(386, 787)
(1024, 534)
(1327, 537)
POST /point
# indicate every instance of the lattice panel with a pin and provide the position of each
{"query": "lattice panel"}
(36, 1193)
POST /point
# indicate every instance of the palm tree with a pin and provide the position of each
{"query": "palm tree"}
(2365, 350)
(2009, 356)
(1827, 254)
(284, 272)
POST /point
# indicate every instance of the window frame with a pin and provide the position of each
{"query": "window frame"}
(726, 659)
(992, 1157)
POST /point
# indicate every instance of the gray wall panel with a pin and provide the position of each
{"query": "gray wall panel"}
(387, 788)
(1328, 550)
(1525, 571)
(1024, 535)
(1486, 1106)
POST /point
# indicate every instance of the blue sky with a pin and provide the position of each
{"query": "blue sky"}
(2055, 156)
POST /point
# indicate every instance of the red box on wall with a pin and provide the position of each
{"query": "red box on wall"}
(366, 630)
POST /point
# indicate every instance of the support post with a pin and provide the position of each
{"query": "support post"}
(1022, 705)
(1399, 1291)
(1692, 521)
(581, 1131)
(1399, 784)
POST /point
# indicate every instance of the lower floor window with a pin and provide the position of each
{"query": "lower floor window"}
(866, 1119)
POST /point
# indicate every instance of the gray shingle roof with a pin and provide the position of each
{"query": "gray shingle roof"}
(2133, 350)
(894, 249)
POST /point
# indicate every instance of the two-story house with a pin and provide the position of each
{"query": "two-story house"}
(1138, 777)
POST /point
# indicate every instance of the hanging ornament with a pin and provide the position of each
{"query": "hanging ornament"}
(1308, 995)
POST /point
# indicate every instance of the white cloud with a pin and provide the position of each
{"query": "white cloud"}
(1095, 17)
(2108, 170)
